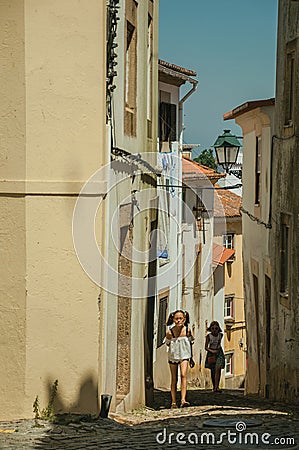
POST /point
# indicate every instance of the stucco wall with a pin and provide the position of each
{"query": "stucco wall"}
(12, 237)
(129, 391)
(283, 376)
(256, 261)
(198, 296)
(53, 85)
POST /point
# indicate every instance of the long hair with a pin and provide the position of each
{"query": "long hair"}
(171, 317)
(214, 323)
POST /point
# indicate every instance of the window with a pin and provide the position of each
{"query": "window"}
(284, 252)
(229, 306)
(268, 319)
(149, 72)
(257, 312)
(199, 207)
(257, 170)
(167, 122)
(229, 364)
(289, 85)
(162, 321)
(197, 266)
(130, 67)
(228, 240)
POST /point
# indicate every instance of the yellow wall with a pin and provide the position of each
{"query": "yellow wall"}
(53, 129)
(234, 285)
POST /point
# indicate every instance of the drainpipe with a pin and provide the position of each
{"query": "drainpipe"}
(181, 102)
(193, 89)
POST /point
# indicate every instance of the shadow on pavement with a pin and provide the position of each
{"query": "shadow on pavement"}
(228, 398)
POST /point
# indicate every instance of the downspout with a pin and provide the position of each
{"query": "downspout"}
(180, 236)
(193, 89)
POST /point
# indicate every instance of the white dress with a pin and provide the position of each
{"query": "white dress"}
(179, 348)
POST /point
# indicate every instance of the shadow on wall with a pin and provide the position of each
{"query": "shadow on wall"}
(86, 402)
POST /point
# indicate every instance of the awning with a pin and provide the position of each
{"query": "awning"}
(222, 254)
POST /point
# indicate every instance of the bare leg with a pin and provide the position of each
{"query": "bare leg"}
(217, 377)
(183, 367)
(213, 377)
(174, 381)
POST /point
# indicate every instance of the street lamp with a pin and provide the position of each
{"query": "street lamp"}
(227, 148)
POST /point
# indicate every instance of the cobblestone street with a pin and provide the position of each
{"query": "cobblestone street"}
(224, 420)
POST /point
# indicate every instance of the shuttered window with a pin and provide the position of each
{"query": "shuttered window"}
(285, 252)
(167, 122)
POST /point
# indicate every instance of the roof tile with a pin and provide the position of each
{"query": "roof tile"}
(226, 203)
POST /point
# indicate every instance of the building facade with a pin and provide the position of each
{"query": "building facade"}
(169, 245)
(83, 326)
(198, 237)
(128, 298)
(273, 369)
(283, 378)
(256, 120)
(233, 320)
(53, 132)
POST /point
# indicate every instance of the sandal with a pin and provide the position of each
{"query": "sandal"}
(173, 406)
(185, 404)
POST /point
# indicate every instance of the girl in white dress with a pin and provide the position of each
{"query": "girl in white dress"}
(179, 341)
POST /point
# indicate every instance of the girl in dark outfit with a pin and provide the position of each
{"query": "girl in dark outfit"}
(215, 360)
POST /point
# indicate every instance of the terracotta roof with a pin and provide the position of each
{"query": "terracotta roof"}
(230, 202)
(248, 106)
(176, 68)
(191, 169)
(222, 254)
(175, 75)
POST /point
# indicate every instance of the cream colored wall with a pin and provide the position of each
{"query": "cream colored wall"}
(54, 82)
(12, 219)
(256, 259)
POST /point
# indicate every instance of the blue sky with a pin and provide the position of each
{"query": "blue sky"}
(231, 44)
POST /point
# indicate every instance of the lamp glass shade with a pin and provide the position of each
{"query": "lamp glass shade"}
(231, 155)
(220, 153)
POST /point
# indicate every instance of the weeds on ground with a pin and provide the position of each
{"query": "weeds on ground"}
(48, 412)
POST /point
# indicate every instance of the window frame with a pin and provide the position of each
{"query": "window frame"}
(167, 122)
(224, 240)
(231, 308)
(290, 84)
(229, 373)
(258, 171)
(130, 69)
(285, 252)
(150, 43)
